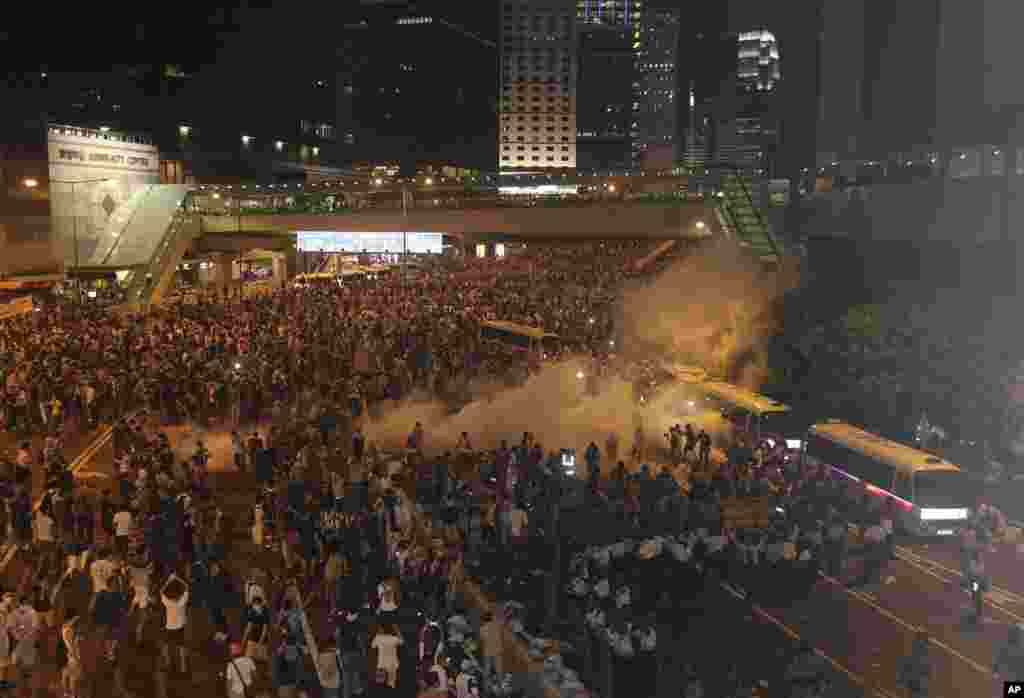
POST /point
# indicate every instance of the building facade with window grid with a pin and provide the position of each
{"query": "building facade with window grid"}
(537, 106)
(659, 112)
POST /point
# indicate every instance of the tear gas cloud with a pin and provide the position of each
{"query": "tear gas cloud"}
(711, 310)
(552, 406)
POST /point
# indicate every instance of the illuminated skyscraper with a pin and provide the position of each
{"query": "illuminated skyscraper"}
(657, 144)
(756, 121)
(758, 68)
(537, 109)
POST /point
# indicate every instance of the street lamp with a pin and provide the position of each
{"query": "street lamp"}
(31, 183)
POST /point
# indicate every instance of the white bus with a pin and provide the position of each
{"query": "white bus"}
(756, 420)
(933, 496)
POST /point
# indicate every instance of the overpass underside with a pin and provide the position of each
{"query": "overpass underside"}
(594, 221)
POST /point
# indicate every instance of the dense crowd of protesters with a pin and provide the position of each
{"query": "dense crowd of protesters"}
(346, 580)
(157, 544)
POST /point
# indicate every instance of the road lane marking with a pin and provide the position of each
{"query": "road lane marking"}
(80, 461)
(794, 635)
(996, 597)
(864, 598)
(1017, 598)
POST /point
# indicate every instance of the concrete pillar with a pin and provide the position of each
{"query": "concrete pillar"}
(280, 270)
(1009, 175)
(223, 273)
(985, 161)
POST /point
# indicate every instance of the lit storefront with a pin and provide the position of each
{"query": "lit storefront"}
(370, 242)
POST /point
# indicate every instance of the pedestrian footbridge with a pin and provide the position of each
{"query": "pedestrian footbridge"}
(144, 237)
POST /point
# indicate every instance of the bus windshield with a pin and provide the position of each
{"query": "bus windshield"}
(786, 424)
(941, 489)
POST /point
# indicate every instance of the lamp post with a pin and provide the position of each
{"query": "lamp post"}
(405, 232)
(32, 183)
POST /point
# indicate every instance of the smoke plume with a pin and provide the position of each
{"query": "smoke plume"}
(711, 310)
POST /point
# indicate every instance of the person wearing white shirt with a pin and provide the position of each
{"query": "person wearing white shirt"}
(102, 571)
(139, 572)
(45, 530)
(124, 526)
(174, 597)
(328, 664)
(386, 642)
(240, 673)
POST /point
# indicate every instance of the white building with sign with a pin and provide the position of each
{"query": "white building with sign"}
(96, 179)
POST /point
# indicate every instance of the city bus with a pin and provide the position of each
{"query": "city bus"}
(933, 496)
(520, 337)
(757, 420)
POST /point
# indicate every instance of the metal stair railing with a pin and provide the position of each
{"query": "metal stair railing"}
(737, 178)
(146, 281)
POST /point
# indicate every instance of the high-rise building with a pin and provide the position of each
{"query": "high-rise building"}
(659, 104)
(756, 118)
(604, 105)
(537, 110)
(601, 20)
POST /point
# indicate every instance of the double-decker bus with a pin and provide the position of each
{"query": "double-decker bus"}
(757, 420)
(933, 496)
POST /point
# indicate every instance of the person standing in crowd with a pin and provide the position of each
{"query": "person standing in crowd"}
(916, 669)
(592, 457)
(240, 673)
(1009, 662)
(328, 663)
(638, 444)
(238, 449)
(704, 445)
(174, 597)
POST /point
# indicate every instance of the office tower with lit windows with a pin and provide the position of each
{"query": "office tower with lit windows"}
(537, 109)
(658, 140)
(605, 95)
(611, 38)
(756, 119)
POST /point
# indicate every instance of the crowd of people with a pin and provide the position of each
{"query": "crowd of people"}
(324, 563)
(112, 566)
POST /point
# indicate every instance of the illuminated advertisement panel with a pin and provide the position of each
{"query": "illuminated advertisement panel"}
(371, 242)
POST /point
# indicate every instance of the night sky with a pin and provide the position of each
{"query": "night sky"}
(192, 34)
